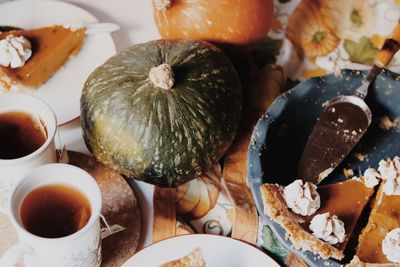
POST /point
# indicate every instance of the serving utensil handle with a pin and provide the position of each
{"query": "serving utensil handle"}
(382, 59)
(389, 48)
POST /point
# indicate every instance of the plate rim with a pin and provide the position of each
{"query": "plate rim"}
(60, 5)
(199, 236)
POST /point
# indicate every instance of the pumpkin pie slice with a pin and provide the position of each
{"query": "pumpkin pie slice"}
(384, 217)
(356, 262)
(346, 200)
(51, 48)
(193, 259)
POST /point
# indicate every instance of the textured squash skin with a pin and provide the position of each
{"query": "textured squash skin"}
(163, 137)
(236, 22)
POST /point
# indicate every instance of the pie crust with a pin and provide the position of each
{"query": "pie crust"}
(346, 200)
(275, 207)
(51, 48)
(356, 262)
(193, 259)
(384, 217)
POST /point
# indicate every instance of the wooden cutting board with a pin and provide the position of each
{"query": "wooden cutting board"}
(120, 206)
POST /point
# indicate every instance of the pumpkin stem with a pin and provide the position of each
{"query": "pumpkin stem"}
(162, 5)
(162, 76)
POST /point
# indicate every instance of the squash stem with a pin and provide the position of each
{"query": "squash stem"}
(162, 76)
(162, 5)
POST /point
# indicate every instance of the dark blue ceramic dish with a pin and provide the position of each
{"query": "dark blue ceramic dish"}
(281, 134)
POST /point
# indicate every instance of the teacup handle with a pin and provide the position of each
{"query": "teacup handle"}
(14, 254)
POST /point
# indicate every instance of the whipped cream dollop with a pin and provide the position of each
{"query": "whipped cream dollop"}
(391, 245)
(389, 169)
(328, 228)
(392, 187)
(390, 172)
(371, 177)
(14, 51)
(73, 26)
(302, 198)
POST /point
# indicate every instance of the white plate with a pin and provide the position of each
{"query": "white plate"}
(218, 251)
(63, 90)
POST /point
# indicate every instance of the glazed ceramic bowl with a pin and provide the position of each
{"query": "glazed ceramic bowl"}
(281, 134)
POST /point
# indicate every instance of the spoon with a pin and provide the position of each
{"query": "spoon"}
(343, 122)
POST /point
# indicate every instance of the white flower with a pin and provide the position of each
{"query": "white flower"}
(351, 19)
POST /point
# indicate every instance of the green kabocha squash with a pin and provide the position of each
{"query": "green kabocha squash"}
(162, 112)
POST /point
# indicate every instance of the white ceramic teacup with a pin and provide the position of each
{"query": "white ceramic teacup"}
(11, 170)
(82, 248)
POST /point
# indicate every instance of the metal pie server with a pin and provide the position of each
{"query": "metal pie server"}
(343, 122)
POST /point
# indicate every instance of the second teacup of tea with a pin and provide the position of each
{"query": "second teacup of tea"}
(27, 130)
(55, 210)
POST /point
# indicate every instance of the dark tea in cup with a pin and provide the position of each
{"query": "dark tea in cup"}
(54, 211)
(21, 134)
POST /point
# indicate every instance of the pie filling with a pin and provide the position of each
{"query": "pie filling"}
(297, 208)
(51, 48)
(346, 200)
(384, 217)
(193, 259)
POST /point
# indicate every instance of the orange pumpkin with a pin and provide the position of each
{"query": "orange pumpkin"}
(220, 21)
(310, 32)
(197, 197)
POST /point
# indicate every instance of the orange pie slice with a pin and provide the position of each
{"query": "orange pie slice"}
(346, 200)
(51, 48)
(384, 217)
(356, 262)
(193, 259)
